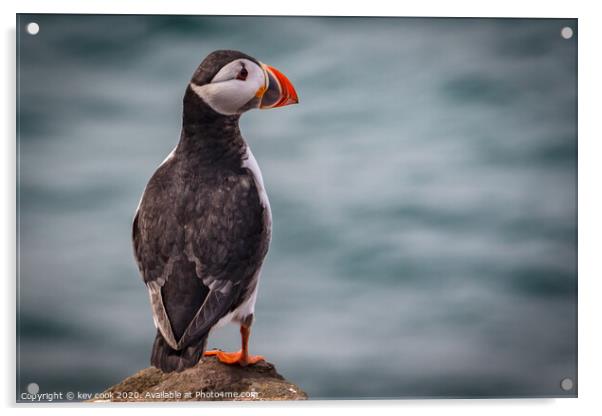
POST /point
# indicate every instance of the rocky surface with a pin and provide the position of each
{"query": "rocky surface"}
(208, 380)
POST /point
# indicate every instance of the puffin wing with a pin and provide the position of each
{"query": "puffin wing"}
(219, 229)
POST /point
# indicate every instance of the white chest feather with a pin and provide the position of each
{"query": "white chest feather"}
(250, 163)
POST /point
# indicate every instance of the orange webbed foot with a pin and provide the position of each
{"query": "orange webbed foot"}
(234, 357)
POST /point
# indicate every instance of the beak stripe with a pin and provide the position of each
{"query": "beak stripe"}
(289, 95)
(279, 91)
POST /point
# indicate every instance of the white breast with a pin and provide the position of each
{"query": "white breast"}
(250, 163)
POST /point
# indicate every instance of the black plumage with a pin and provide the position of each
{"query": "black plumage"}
(201, 232)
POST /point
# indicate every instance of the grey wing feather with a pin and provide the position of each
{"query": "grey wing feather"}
(216, 303)
(160, 317)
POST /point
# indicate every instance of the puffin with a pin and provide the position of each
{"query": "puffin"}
(203, 225)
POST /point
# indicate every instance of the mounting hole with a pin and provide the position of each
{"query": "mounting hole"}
(566, 33)
(566, 384)
(32, 28)
(33, 388)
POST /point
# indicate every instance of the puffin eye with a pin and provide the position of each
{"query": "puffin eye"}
(242, 75)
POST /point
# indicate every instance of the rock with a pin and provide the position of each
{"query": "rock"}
(208, 380)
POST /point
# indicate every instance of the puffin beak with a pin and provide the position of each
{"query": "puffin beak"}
(278, 92)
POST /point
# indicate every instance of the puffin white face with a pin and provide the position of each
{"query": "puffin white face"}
(242, 84)
(232, 87)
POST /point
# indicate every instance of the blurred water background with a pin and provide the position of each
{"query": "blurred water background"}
(423, 194)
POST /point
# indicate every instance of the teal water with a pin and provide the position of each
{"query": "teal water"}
(423, 195)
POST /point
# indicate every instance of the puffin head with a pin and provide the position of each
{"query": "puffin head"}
(231, 82)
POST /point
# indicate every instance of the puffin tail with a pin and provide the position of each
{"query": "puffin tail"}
(168, 360)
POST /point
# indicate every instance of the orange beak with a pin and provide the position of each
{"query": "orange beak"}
(279, 90)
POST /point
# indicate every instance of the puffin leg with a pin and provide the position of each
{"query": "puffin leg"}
(241, 357)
